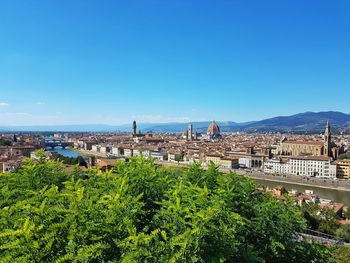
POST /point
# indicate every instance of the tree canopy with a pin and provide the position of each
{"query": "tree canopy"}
(138, 212)
(4, 142)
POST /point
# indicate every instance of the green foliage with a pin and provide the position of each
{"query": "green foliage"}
(341, 254)
(138, 212)
(4, 142)
(347, 213)
(325, 220)
(344, 232)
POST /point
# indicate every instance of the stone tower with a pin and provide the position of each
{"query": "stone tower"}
(327, 141)
(190, 132)
(134, 127)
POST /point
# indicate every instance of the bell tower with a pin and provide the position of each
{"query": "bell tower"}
(190, 132)
(134, 127)
(327, 141)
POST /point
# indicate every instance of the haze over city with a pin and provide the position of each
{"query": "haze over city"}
(78, 62)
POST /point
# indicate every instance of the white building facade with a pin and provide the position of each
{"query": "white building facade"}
(276, 166)
(319, 166)
(313, 166)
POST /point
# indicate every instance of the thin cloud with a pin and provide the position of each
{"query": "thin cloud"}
(40, 103)
(4, 104)
(19, 114)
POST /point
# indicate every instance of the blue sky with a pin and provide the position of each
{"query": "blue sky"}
(74, 62)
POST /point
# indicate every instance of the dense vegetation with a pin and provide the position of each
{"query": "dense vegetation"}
(138, 212)
(341, 254)
(4, 142)
(325, 220)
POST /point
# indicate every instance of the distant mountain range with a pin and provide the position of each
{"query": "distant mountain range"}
(307, 122)
(303, 122)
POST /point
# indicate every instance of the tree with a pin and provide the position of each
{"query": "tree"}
(347, 213)
(138, 212)
(341, 254)
(344, 232)
(4, 142)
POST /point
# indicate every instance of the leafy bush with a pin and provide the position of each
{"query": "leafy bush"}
(341, 254)
(137, 212)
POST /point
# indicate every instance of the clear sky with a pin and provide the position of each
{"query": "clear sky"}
(71, 61)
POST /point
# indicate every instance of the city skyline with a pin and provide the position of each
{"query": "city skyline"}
(155, 61)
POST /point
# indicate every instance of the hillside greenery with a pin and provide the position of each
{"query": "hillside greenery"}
(138, 212)
(325, 220)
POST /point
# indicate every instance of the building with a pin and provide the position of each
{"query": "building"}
(134, 128)
(325, 148)
(222, 161)
(175, 156)
(215, 158)
(298, 148)
(276, 166)
(105, 149)
(343, 169)
(87, 145)
(16, 151)
(158, 155)
(136, 152)
(213, 131)
(9, 165)
(327, 141)
(228, 163)
(192, 155)
(117, 151)
(128, 152)
(251, 158)
(95, 148)
(320, 166)
(134, 134)
(190, 132)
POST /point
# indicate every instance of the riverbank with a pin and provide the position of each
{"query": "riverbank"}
(336, 184)
(91, 154)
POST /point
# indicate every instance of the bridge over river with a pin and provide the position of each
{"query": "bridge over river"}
(57, 142)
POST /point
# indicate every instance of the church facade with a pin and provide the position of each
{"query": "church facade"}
(324, 148)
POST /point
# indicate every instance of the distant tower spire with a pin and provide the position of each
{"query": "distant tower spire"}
(328, 141)
(134, 127)
(190, 132)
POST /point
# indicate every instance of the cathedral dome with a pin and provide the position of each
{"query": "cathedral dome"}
(213, 128)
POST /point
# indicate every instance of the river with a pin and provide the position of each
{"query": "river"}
(332, 194)
(65, 152)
